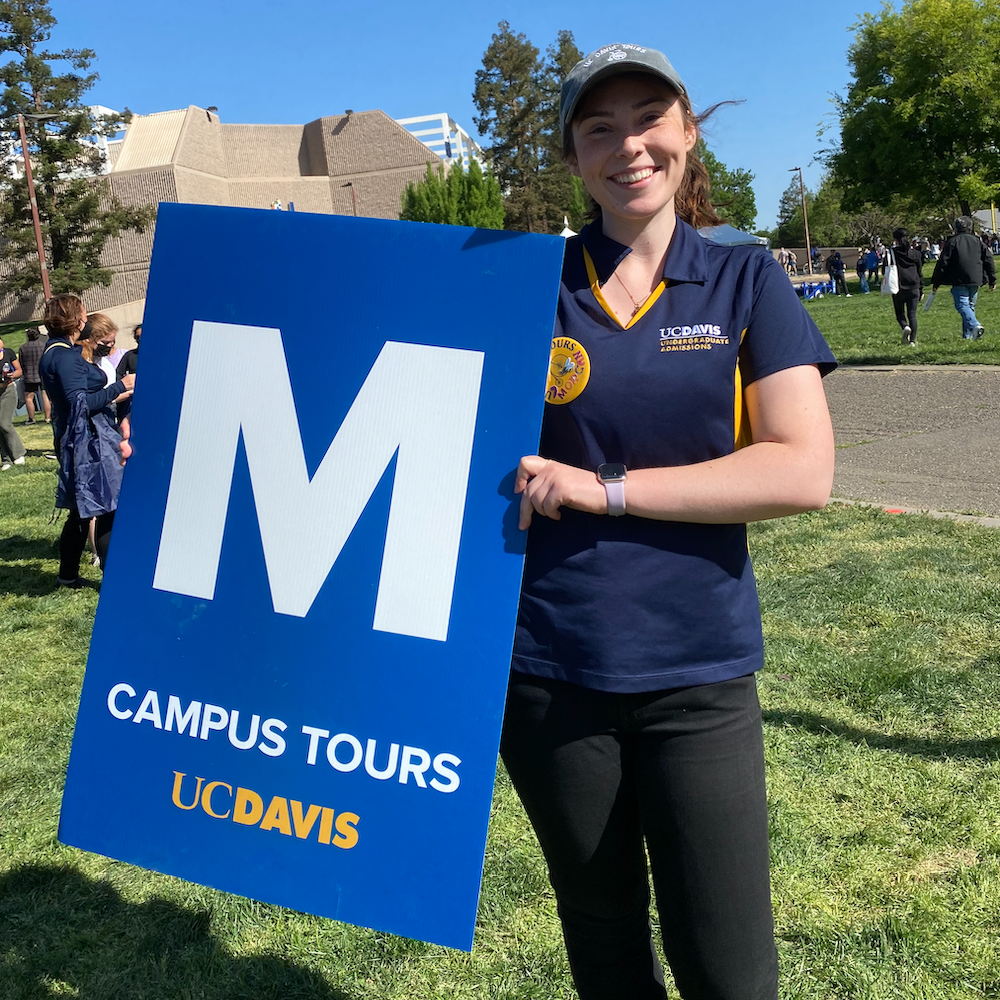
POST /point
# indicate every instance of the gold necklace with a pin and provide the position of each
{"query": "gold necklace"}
(637, 305)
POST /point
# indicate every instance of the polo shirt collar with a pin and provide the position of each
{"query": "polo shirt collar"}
(686, 260)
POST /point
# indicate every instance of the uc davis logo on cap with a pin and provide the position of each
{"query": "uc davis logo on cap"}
(569, 371)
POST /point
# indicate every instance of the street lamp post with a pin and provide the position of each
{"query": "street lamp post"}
(34, 205)
(805, 217)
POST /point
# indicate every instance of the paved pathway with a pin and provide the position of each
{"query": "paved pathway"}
(918, 437)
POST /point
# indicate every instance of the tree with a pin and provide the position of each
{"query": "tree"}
(922, 114)
(508, 98)
(77, 211)
(455, 198)
(517, 97)
(563, 195)
(791, 230)
(732, 196)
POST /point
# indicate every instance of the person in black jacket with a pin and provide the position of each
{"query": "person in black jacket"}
(966, 265)
(911, 284)
(837, 270)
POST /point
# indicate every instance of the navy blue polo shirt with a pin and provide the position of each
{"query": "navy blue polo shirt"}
(629, 603)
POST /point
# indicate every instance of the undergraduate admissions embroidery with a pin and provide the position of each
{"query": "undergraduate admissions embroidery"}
(569, 371)
(700, 337)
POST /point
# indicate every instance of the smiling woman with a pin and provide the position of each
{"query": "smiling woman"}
(684, 400)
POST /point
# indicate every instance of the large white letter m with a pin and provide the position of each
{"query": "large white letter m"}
(417, 401)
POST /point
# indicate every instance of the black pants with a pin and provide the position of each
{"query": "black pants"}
(682, 770)
(74, 538)
(905, 303)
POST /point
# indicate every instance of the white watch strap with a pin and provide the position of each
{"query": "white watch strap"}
(616, 497)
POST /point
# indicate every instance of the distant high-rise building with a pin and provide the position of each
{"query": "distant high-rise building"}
(440, 134)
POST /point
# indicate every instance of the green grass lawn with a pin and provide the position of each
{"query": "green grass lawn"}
(880, 702)
(862, 330)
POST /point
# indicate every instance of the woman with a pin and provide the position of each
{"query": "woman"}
(632, 717)
(87, 443)
(99, 345)
(910, 272)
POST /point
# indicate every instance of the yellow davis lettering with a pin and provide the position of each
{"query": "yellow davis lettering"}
(244, 806)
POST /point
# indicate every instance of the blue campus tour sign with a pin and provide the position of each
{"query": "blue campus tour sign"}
(297, 674)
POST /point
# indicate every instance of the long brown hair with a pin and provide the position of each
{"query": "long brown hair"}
(693, 201)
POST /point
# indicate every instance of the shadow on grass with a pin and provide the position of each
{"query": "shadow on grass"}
(64, 932)
(983, 749)
(17, 547)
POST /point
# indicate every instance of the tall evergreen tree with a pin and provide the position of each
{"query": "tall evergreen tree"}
(510, 100)
(561, 192)
(78, 214)
(455, 198)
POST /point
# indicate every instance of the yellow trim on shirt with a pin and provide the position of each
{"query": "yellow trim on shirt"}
(595, 287)
(743, 435)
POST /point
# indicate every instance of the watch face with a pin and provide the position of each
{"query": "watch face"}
(610, 471)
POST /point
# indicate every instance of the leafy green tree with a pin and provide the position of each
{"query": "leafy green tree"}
(732, 195)
(921, 119)
(517, 97)
(78, 215)
(455, 198)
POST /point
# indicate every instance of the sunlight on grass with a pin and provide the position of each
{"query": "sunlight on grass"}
(862, 330)
(883, 749)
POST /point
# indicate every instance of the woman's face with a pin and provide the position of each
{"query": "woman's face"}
(630, 146)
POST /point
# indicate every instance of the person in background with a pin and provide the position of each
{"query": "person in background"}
(130, 359)
(909, 268)
(966, 265)
(87, 443)
(871, 264)
(29, 356)
(12, 450)
(98, 346)
(861, 269)
(632, 721)
(127, 366)
(837, 270)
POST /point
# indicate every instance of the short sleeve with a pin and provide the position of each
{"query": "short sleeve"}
(780, 334)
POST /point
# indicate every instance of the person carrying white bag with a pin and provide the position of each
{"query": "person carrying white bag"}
(904, 281)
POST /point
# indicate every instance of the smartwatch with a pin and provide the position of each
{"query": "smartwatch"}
(612, 475)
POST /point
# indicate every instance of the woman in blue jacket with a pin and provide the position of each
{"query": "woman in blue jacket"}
(86, 440)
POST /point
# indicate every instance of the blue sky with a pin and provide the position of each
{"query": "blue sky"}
(261, 62)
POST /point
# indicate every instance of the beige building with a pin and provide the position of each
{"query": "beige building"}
(351, 164)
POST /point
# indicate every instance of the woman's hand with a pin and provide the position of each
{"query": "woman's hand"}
(545, 486)
(124, 447)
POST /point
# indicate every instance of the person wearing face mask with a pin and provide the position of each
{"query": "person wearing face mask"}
(98, 347)
(86, 440)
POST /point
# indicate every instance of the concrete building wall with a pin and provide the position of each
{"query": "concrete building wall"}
(200, 145)
(265, 150)
(197, 188)
(309, 194)
(369, 140)
(343, 165)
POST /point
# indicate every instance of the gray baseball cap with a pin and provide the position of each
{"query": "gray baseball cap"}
(608, 61)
